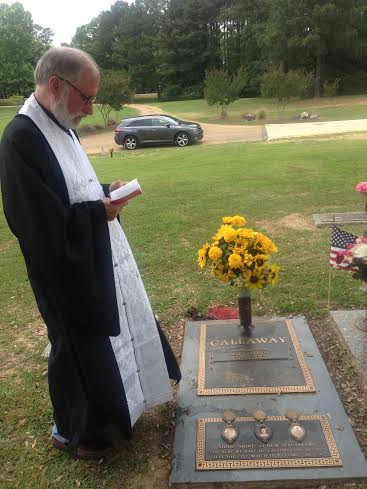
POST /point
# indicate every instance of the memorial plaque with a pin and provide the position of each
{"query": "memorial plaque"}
(317, 449)
(269, 360)
(339, 218)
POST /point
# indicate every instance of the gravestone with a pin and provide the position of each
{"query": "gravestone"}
(322, 220)
(349, 326)
(275, 370)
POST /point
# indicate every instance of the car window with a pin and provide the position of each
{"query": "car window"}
(141, 123)
(160, 122)
(174, 120)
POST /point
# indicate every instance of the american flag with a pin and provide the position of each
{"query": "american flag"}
(339, 241)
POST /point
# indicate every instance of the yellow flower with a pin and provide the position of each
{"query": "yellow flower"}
(229, 234)
(219, 234)
(247, 233)
(223, 277)
(273, 274)
(202, 255)
(260, 259)
(234, 220)
(235, 261)
(248, 259)
(256, 280)
(265, 244)
(240, 256)
(215, 253)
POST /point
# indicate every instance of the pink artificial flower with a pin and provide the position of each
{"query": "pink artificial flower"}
(361, 187)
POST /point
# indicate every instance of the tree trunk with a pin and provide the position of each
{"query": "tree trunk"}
(318, 76)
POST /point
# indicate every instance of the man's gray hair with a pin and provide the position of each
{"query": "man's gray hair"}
(65, 62)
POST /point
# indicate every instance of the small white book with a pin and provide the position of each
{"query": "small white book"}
(127, 192)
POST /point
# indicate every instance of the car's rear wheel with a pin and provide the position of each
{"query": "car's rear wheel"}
(182, 139)
(130, 142)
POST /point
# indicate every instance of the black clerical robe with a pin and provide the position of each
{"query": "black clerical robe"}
(67, 252)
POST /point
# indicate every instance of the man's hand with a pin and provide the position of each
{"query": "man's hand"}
(112, 210)
(116, 185)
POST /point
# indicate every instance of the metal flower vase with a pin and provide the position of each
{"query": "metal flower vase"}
(244, 307)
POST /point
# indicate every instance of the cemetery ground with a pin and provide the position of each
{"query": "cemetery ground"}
(328, 109)
(277, 187)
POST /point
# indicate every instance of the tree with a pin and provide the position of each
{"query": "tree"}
(98, 38)
(114, 92)
(137, 44)
(189, 45)
(221, 89)
(284, 86)
(305, 32)
(21, 45)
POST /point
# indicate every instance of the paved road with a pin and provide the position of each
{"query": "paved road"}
(307, 129)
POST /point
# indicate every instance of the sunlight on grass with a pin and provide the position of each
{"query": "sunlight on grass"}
(186, 192)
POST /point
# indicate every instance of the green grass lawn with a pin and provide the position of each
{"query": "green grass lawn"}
(6, 114)
(333, 108)
(186, 192)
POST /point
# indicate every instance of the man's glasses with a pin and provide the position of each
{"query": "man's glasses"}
(86, 99)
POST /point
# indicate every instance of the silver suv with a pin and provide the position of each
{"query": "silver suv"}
(156, 129)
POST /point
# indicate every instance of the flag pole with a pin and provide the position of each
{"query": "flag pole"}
(329, 287)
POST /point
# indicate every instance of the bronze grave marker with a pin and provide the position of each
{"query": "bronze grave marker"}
(317, 449)
(268, 361)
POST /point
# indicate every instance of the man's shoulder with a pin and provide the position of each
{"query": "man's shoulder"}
(18, 125)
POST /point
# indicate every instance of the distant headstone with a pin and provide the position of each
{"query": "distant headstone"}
(322, 220)
(249, 116)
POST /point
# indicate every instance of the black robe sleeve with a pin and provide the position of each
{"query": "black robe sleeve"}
(66, 247)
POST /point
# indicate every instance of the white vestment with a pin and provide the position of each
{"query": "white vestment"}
(138, 348)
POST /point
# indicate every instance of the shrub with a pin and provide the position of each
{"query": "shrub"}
(221, 89)
(111, 122)
(171, 92)
(330, 89)
(261, 114)
(193, 93)
(284, 86)
(12, 100)
(176, 92)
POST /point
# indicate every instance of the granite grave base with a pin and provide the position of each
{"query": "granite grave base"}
(354, 338)
(329, 452)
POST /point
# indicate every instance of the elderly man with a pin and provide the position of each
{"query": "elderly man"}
(109, 360)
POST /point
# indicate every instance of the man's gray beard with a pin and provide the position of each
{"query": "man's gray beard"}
(60, 111)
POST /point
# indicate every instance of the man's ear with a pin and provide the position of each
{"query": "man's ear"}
(54, 85)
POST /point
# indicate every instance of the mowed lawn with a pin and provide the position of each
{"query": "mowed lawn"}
(186, 192)
(7, 113)
(328, 109)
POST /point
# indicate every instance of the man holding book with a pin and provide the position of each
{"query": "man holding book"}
(109, 360)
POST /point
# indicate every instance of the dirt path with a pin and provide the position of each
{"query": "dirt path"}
(218, 134)
(213, 133)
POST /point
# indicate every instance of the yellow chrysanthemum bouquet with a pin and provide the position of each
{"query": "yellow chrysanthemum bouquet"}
(240, 257)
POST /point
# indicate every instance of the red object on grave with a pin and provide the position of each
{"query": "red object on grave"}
(222, 312)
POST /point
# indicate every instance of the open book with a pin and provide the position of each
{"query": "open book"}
(126, 192)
